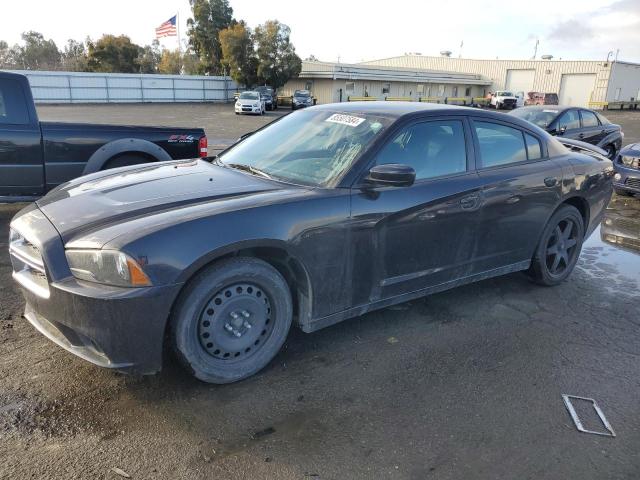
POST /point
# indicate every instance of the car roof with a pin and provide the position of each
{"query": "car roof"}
(396, 110)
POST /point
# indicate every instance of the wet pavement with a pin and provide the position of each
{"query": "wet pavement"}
(463, 384)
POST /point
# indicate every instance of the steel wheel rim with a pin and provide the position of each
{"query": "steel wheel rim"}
(561, 247)
(236, 322)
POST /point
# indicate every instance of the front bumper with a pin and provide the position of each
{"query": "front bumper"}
(113, 327)
(248, 109)
(626, 178)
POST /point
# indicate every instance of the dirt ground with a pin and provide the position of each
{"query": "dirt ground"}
(465, 384)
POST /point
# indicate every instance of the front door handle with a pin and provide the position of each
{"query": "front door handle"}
(581, 135)
(550, 181)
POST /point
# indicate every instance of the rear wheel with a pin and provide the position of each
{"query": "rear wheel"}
(611, 151)
(559, 248)
(126, 160)
(231, 320)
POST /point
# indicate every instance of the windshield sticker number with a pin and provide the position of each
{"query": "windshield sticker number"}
(345, 119)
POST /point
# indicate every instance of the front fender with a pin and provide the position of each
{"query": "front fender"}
(124, 145)
(614, 138)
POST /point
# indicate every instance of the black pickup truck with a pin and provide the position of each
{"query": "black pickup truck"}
(37, 156)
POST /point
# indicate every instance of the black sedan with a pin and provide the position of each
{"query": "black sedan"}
(326, 214)
(575, 123)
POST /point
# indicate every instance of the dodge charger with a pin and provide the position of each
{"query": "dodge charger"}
(326, 214)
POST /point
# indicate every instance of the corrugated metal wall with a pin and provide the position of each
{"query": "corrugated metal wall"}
(547, 79)
(79, 87)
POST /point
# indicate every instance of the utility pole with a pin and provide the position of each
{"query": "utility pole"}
(535, 49)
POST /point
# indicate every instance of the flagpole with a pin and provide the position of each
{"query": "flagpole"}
(179, 41)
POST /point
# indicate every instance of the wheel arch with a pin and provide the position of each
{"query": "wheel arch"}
(275, 253)
(124, 146)
(582, 205)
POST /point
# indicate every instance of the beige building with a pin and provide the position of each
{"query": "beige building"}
(336, 82)
(575, 82)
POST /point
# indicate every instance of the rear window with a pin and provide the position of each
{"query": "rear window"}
(13, 105)
(499, 144)
(589, 119)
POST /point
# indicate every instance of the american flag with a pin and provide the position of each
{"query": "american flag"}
(167, 29)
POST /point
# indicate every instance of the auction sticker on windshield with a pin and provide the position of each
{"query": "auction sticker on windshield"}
(345, 119)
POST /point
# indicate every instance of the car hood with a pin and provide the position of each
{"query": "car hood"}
(105, 198)
(632, 150)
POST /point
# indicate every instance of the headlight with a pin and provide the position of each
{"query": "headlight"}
(106, 266)
(632, 162)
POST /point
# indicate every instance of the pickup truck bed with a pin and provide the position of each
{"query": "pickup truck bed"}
(37, 156)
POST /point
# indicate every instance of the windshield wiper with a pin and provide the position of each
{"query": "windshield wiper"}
(250, 169)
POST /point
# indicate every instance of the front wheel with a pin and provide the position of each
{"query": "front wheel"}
(559, 247)
(231, 320)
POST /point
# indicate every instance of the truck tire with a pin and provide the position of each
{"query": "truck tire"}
(126, 160)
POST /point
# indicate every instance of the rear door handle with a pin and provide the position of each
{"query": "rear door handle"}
(550, 181)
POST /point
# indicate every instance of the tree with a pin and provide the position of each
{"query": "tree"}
(170, 62)
(74, 56)
(311, 58)
(36, 53)
(149, 58)
(238, 54)
(277, 58)
(209, 18)
(191, 64)
(113, 54)
(5, 55)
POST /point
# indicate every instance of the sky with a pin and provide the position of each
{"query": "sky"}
(355, 31)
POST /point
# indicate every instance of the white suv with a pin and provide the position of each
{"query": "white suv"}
(503, 99)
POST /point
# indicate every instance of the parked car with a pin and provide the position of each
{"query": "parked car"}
(627, 166)
(250, 102)
(301, 99)
(37, 156)
(503, 99)
(578, 123)
(539, 98)
(519, 99)
(269, 95)
(327, 214)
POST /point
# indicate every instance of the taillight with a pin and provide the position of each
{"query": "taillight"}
(203, 146)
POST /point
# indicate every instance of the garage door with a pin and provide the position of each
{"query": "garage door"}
(520, 80)
(576, 88)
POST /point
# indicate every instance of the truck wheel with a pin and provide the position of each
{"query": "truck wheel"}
(559, 248)
(231, 320)
(126, 160)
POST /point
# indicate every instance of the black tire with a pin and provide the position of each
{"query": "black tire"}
(213, 307)
(293, 107)
(126, 160)
(622, 192)
(558, 249)
(611, 151)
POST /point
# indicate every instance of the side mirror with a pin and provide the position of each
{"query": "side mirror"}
(561, 130)
(391, 175)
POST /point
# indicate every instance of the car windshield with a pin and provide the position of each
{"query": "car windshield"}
(313, 147)
(537, 116)
(301, 94)
(504, 94)
(249, 95)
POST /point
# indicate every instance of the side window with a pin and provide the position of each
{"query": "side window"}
(589, 119)
(534, 150)
(13, 105)
(569, 120)
(433, 149)
(499, 144)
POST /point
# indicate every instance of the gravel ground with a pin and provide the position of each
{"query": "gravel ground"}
(462, 384)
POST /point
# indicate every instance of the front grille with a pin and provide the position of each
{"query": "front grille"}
(627, 226)
(633, 182)
(28, 265)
